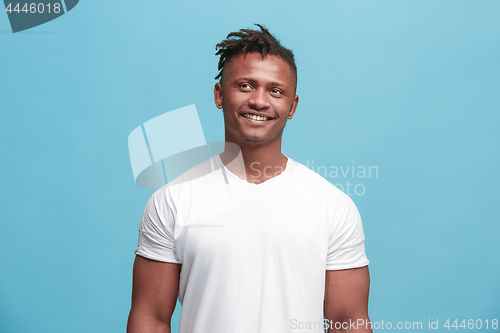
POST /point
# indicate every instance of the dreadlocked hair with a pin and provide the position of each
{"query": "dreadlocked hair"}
(246, 41)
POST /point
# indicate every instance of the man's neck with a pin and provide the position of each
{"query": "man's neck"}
(254, 162)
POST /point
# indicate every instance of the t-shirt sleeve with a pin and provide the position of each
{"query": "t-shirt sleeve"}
(156, 230)
(347, 240)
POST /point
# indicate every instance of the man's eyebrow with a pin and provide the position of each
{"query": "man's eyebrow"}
(278, 84)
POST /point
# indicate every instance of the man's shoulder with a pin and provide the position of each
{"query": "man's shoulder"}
(315, 184)
(305, 174)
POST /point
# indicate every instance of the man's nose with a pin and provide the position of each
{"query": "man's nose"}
(259, 100)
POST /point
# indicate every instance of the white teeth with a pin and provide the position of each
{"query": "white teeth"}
(254, 117)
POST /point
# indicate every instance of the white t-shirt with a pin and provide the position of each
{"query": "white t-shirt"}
(253, 255)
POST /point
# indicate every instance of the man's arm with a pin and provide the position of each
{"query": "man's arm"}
(154, 295)
(346, 300)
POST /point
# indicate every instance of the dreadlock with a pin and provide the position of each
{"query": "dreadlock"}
(247, 40)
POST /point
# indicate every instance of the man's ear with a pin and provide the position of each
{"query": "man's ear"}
(294, 107)
(218, 95)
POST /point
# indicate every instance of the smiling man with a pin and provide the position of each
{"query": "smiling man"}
(262, 244)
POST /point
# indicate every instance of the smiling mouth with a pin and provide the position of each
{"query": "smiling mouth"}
(255, 117)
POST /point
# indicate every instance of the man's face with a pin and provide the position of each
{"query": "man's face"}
(258, 97)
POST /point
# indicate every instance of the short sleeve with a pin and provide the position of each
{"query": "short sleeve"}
(346, 247)
(156, 230)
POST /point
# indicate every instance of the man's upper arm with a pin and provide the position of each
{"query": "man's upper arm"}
(346, 248)
(346, 295)
(154, 295)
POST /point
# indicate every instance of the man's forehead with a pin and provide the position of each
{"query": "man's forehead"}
(250, 60)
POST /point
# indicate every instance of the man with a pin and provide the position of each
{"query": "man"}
(262, 244)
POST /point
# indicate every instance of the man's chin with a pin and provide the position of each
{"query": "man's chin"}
(258, 139)
(251, 137)
(253, 140)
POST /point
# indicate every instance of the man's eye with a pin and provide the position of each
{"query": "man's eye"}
(276, 91)
(245, 85)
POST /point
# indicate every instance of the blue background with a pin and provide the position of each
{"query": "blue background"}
(411, 87)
